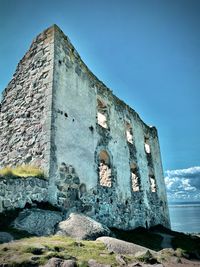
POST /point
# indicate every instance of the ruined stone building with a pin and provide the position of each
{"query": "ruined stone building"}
(99, 156)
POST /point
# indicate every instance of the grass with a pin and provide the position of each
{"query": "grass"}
(37, 250)
(23, 171)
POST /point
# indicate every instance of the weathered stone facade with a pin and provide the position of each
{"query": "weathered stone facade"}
(101, 158)
(16, 193)
(26, 107)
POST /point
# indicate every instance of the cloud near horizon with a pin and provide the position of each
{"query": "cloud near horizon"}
(183, 184)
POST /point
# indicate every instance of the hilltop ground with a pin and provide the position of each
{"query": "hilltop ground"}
(27, 250)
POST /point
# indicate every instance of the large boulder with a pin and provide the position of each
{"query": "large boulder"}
(122, 247)
(82, 227)
(38, 222)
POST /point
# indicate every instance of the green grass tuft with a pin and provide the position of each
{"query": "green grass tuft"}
(22, 171)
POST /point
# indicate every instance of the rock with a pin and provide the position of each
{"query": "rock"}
(175, 260)
(154, 265)
(7, 203)
(57, 262)
(167, 251)
(121, 247)
(37, 221)
(69, 263)
(82, 227)
(5, 237)
(93, 263)
(135, 264)
(146, 257)
(121, 260)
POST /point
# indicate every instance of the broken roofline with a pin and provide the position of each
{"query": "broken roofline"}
(99, 84)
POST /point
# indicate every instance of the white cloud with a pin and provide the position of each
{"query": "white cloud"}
(190, 172)
(183, 184)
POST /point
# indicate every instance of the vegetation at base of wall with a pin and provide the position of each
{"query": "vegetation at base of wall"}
(22, 171)
(34, 251)
(140, 236)
(188, 244)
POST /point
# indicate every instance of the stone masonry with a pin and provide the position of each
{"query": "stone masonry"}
(16, 193)
(100, 157)
(26, 107)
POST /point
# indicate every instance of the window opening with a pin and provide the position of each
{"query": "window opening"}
(129, 133)
(152, 180)
(147, 145)
(104, 169)
(135, 179)
(102, 114)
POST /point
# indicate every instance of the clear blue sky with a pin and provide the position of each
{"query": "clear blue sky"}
(147, 52)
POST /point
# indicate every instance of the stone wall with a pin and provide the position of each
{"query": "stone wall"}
(56, 114)
(16, 192)
(25, 110)
(78, 139)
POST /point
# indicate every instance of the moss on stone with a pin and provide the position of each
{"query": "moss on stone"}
(22, 171)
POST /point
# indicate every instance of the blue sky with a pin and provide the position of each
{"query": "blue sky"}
(147, 52)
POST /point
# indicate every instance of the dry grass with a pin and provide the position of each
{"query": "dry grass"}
(22, 171)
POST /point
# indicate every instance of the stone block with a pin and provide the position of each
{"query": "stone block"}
(7, 203)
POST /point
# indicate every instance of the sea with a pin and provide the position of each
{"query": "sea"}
(185, 216)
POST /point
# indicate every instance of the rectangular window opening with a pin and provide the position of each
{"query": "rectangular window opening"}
(129, 133)
(102, 114)
(135, 178)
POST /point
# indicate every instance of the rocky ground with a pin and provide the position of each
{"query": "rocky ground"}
(55, 251)
(35, 239)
